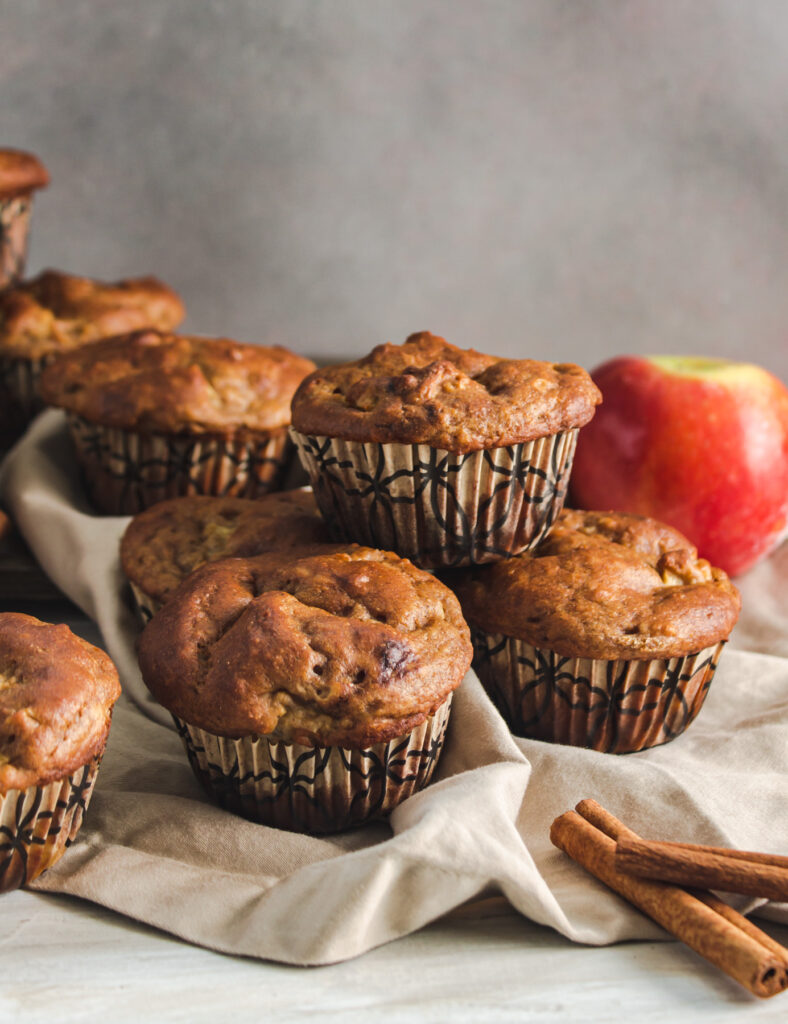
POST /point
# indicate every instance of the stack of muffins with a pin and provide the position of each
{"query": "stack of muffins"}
(302, 641)
(311, 682)
(56, 691)
(597, 630)
(593, 629)
(163, 415)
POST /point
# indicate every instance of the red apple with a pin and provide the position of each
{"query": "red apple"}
(701, 444)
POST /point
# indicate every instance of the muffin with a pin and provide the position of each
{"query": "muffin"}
(444, 455)
(312, 694)
(606, 635)
(156, 415)
(56, 312)
(56, 698)
(20, 175)
(166, 542)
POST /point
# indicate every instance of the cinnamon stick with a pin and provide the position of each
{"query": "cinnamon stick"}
(603, 820)
(709, 933)
(615, 829)
(746, 925)
(724, 851)
(684, 865)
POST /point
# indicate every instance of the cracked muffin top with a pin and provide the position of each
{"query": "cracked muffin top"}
(55, 312)
(56, 697)
(428, 391)
(171, 539)
(349, 649)
(604, 585)
(20, 172)
(152, 381)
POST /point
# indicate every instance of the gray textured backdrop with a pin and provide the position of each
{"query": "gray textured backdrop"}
(559, 178)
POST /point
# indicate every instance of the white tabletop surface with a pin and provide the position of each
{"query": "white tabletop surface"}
(65, 960)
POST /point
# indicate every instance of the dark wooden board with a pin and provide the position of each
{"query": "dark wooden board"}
(21, 577)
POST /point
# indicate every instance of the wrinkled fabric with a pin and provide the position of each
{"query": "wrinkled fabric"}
(154, 846)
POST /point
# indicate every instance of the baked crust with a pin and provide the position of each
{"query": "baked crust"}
(156, 382)
(348, 649)
(428, 391)
(56, 697)
(604, 585)
(55, 312)
(171, 539)
(20, 172)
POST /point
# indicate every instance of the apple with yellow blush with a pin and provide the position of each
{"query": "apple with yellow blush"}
(701, 444)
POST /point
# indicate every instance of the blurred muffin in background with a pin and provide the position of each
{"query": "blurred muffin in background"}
(164, 544)
(156, 415)
(20, 175)
(56, 312)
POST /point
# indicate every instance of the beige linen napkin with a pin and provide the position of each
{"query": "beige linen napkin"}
(154, 847)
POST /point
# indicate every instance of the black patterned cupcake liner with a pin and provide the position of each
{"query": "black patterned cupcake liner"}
(14, 226)
(37, 824)
(126, 472)
(20, 401)
(435, 507)
(145, 606)
(616, 706)
(314, 789)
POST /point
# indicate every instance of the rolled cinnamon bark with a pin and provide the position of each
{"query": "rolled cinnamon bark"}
(744, 923)
(715, 937)
(603, 820)
(725, 851)
(684, 865)
(615, 829)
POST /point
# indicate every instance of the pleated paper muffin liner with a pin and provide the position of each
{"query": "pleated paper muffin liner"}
(616, 706)
(14, 225)
(37, 824)
(145, 606)
(438, 508)
(126, 472)
(20, 401)
(314, 789)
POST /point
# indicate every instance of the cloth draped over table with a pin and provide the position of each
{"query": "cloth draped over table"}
(154, 847)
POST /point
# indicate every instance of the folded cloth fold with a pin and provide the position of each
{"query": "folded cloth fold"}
(154, 847)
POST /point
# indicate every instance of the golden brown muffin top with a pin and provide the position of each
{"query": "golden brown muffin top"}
(347, 649)
(430, 392)
(176, 384)
(167, 541)
(604, 585)
(55, 312)
(56, 697)
(20, 172)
